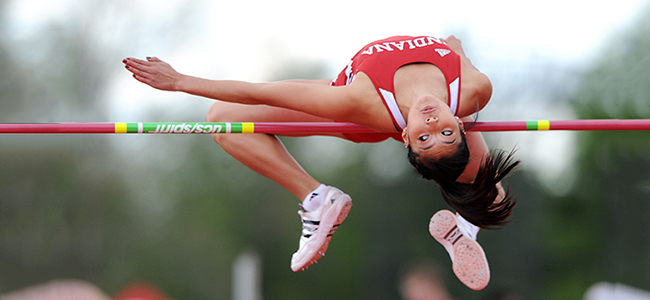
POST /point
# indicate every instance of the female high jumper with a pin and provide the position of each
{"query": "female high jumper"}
(419, 90)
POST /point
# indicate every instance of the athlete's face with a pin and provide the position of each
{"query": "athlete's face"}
(432, 131)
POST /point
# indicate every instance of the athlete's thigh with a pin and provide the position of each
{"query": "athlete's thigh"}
(234, 112)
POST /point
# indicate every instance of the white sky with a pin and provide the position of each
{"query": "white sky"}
(247, 39)
(563, 29)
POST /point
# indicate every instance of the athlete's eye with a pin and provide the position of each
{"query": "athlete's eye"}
(423, 138)
(447, 132)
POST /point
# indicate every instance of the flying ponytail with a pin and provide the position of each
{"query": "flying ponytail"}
(474, 201)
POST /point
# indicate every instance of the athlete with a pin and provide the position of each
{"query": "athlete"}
(419, 90)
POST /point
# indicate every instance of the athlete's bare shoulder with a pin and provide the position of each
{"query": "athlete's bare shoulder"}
(476, 87)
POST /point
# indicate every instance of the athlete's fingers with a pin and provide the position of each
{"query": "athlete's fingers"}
(138, 64)
(138, 72)
(142, 79)
(152, 71)
(137, 60)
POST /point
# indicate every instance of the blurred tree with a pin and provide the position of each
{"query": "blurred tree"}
(55, 198)
(175, 211)
(68, 208)
(600, 231)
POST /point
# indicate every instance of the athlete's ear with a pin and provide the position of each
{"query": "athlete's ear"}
(461, 124)
(405, 138)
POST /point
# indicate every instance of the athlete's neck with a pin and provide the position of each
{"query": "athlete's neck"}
(416, 80)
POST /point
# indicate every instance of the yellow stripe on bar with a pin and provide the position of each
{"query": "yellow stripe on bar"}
(120, 127)
(543, 125)
(247, 127)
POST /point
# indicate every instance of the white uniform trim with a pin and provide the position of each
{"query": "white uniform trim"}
(453, 95)
(389, 98)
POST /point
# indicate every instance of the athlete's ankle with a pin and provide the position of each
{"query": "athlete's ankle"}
(466, 227)
(314, 199)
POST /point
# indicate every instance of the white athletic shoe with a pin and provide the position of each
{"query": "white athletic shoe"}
(468, 259)
(318, 226)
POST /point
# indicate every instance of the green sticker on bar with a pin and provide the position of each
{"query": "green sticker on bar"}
(132, 128)
(235, 128)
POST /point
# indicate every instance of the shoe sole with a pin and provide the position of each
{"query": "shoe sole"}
(468, 262)
(326, 230)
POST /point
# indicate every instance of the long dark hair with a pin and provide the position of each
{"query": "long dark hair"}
(474, 201)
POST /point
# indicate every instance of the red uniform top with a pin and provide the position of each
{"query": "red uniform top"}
(381, 59)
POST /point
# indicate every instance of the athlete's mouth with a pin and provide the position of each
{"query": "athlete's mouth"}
(428, 109)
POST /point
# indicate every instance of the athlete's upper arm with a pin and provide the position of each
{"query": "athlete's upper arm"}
(478, 150)
(483, 89)
(476, 88)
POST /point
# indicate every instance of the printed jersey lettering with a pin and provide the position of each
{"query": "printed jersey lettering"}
(399, 45)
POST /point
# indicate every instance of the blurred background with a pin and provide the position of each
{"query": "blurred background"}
(178, 212)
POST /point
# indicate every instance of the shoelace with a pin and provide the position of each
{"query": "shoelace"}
(308, 226)
(308, 230)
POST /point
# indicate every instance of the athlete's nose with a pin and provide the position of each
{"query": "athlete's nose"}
(432, 119)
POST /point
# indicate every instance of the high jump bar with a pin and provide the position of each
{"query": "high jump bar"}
(304, 127)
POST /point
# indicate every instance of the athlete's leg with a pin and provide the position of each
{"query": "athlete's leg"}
(264, 153)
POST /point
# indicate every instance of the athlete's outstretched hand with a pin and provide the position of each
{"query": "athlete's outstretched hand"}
(154, 72)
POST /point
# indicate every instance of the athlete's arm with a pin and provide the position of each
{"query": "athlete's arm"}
(311, 81)
(476, 85)
(313, 97)
(478, 150)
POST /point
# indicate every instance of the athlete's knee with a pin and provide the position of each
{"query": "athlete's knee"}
(218, 112)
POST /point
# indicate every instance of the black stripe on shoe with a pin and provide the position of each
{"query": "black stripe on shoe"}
(311, 222)
(450, 231)
(460, 235)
